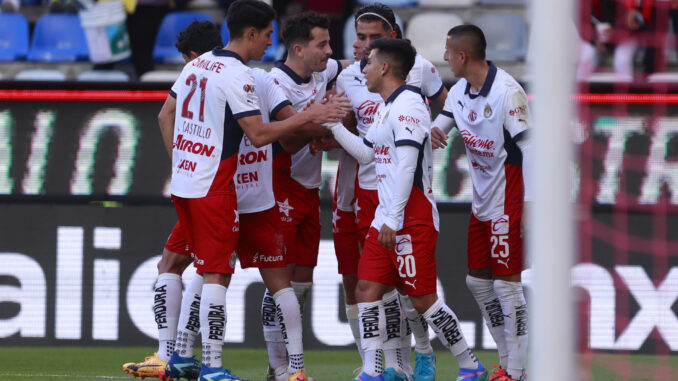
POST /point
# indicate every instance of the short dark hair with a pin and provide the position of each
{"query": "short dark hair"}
(400, 54)
(476, 39)
(200, 37)
(243, 14)
(380, 9)
(297, 28)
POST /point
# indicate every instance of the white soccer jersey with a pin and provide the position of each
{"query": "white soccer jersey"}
(490, 123)
(423, 76)
(254, 178)
(305, 167)
(213, 91)
(404, 119)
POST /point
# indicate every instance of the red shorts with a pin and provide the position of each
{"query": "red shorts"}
(365, 206)
(299, 211)
(210, 224)
(346, 241)
(411, 265)
(496, 244)
(261, 240)
(176, 242)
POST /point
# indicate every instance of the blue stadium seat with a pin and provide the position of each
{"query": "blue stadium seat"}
(13, 37)
(506, 35)
(58, 38)
(392, 3)
(165, 50)
(271, 52)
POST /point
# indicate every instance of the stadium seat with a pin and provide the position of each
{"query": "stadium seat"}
(506, 35)
(391, 3)
(47, 75)
(165, 50)
(272, 51)
(58, 38)
(103, 76)
(350, 36)
(163, 76)
(447, 3)
(432, 47)
(13, 37)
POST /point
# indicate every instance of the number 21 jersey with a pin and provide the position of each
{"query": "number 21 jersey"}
(213, 91)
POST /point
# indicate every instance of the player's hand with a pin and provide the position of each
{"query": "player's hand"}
(339, 99)
(387, 237)
(438, 138)
(326, 143)
(325, 113)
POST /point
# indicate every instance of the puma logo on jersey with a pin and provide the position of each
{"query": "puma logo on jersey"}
(360, 81)
(411, 284)
(505, 263)
(410, 131)
(461, 105)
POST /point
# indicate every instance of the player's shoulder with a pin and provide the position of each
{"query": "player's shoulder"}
(350, 71)
(507, 81)
(408, 98)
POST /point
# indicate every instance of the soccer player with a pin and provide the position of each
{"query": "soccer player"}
(490, 110)
(399, 249)
(372, 22)
(304, 76)
(216, 93)
(198, 38)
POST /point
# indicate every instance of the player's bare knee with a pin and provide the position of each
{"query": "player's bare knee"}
(509, 278)
(422, 303)
(173, 263)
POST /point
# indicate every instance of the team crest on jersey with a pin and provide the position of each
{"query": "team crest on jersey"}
(472, 116)
(276, 81)
(231, 261)
(488, 110)
(248, 88)
(403, 244)
(500, 225)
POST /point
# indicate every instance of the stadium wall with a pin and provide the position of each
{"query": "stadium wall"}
(84, 215)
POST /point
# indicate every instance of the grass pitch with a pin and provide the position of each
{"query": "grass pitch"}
(105, 363)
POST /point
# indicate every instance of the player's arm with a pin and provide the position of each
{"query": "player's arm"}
(359, 148)
(166, 122)
(517, 124)
(261, 134)
(438, 102)
(296, 140)
(440, 127)
(407, 153)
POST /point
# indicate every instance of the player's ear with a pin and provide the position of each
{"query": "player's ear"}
(385, 68)
(193, 54)
(297, 49)
(251, 33)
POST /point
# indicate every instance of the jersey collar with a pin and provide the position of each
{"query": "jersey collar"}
(363, 63)
(295, 77)
(399, 90)
(227, 53)
(489, 80)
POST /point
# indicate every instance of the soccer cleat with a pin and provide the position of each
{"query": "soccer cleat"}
(391, 374)
(366, 377)
(182, 367)
(425, 368)
(498, 373)
(277, 374)
(478, 374)
(217, 374)
(300, 375)
(151, 367)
